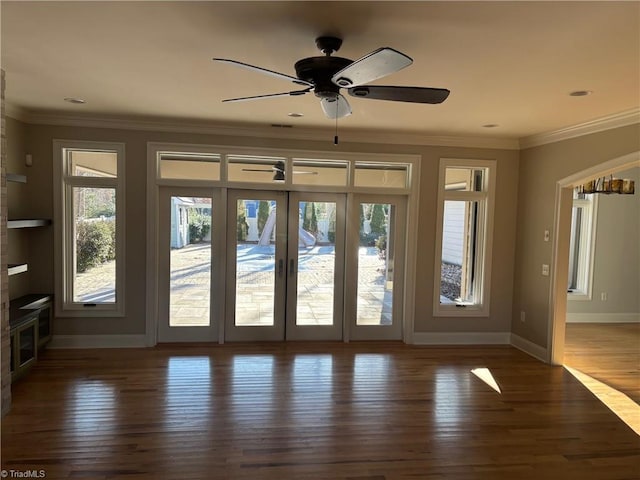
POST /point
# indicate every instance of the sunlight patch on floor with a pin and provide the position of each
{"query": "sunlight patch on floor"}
(485, 375)
(626, 409)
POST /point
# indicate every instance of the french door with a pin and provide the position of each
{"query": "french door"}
(189, 270)
(285, 265)
(247, 265)
(375, 267)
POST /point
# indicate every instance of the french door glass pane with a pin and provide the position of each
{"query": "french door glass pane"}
(190, 263)
(375, 265)
(316, 263)
(94, 213)
(255, 262)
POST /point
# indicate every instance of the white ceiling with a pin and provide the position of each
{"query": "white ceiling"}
(506, 63)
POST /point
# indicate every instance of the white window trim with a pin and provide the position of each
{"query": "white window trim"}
(482, 308)
(63, 251)
(154, 182)
(588, 241)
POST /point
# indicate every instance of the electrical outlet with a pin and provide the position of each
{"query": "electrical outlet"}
(604, 297)
(545, 269)
(522, 316)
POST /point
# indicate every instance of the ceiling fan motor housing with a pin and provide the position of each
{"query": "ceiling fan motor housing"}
(319, 70)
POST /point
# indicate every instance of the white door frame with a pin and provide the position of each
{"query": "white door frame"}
(560, 248)
(154, 182)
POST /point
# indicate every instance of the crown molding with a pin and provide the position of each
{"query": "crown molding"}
(621, 119)
(15, 112)
(294, 133)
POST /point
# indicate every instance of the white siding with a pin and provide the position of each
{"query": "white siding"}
(453, 232)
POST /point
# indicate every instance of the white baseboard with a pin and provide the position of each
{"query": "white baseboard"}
(461, 338)
(98, 341)
(529, 348)
(603, 317)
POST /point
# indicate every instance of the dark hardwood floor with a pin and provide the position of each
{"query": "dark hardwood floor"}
(359, 411)
(608, 352)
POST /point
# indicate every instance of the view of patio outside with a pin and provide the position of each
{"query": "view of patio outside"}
(191, 274)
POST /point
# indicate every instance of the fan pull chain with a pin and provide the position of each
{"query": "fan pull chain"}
(335, 138)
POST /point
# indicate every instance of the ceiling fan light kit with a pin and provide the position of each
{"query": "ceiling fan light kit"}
(326, 75)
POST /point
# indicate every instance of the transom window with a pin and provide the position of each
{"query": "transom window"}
(190, 165)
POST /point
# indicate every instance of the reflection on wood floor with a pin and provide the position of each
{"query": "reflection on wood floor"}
(310, 411)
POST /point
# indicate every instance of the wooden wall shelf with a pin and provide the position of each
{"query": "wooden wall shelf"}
(28, 223)
(16, 178)
(16, 268)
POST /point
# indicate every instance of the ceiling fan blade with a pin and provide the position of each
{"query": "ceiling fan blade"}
(377, 64)
(271, 95)
(401, 94)
(337, 107)
(256, 170)
(264, 71)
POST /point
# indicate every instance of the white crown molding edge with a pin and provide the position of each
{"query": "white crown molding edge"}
(621, 119)
(295, 133)
(17, 113)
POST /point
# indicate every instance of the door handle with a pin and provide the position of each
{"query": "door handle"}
(291, 267)
(280, 267)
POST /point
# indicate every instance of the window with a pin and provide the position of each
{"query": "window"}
(581, 246)
(320, 172)
(463, 242)
(89, 220)
(380, 175)
(188, 166)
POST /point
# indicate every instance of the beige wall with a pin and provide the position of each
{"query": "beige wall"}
(540, 168)
(40, 145)
(616, 262)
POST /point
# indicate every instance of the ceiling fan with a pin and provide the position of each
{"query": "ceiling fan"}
(326, 75)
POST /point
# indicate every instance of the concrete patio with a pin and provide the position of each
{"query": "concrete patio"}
(190, 286)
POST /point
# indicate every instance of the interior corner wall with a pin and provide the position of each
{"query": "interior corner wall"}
(5, 340)
(40, 139)
(616, 262)
(540, 169)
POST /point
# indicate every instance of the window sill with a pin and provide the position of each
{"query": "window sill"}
(578, 297)
(459, 310)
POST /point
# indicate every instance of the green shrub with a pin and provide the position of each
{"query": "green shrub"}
(199, 226)
(332, 227)
(381, 243)
(310, 218)
(95, 243)
(242, 228)
(378, 222)
(263, 215)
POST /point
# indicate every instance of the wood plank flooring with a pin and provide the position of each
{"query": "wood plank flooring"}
(608, 352)
(358, 411)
